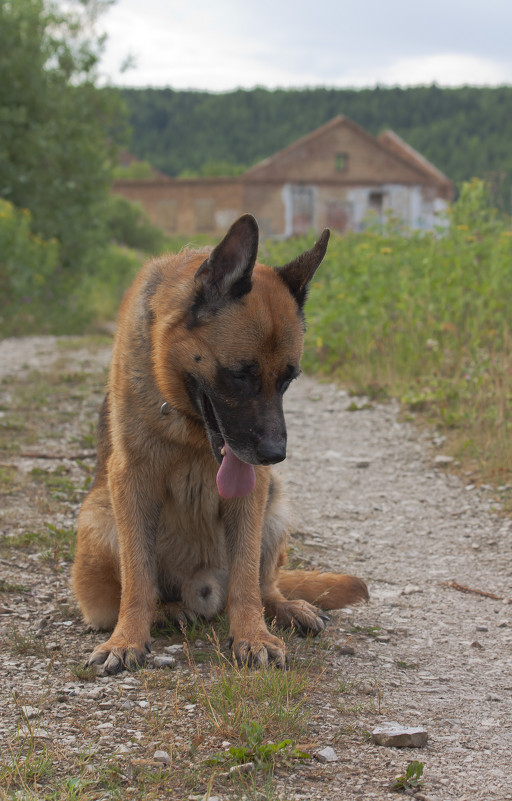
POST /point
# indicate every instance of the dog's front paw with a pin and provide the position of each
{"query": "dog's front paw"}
(259, 650)
(114, 656)
(299, 615)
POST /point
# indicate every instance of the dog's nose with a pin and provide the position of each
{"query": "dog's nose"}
(271, 451)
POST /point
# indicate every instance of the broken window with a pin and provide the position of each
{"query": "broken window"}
(205, 214)
(168, 214)
(341, 161)
(303, 209)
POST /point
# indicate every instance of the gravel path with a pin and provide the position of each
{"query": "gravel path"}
(370, 500)
(409, 528)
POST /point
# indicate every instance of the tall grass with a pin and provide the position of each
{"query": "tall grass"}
(425, 317)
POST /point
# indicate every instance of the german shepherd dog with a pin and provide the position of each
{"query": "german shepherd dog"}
(185, 516)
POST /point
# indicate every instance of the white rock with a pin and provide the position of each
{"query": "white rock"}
(41, 734)
(327, 755)
(164, 661)
(394, 735)
(173, 649)
(443, 461)
(162, 756)
(30, 712)
(247, 767)
(410, 589)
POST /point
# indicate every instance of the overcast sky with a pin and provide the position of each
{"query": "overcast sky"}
(220, 45)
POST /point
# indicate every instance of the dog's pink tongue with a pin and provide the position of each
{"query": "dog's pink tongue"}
(235, 478)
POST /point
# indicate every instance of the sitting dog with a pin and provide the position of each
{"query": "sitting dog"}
(185, 514)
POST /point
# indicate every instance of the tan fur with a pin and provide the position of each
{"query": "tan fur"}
(154, 533)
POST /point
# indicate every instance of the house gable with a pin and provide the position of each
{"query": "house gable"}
(340, 152)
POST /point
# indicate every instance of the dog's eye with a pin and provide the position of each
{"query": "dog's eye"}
(242, 378)
(292, 374)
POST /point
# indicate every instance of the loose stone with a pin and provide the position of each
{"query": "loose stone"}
(162, 756)
(393, 735)
(30, 712)
(164, 661)
(173, 649)
(247, 767)
(327, 755)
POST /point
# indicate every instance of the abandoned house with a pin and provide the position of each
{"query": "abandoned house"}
(337, 177)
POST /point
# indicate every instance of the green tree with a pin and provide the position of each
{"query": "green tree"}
(55, 157)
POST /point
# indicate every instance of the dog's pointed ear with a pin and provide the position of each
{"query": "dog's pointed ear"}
(227, 272)
(298, 273)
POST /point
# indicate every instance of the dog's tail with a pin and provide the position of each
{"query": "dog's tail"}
(325, 590)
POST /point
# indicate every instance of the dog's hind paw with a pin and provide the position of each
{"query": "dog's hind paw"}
(174, 614)
(299, 615)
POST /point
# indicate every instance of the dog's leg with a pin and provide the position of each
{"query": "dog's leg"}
(303, 616)
(252, 642)
(136, 512)
(96, 581)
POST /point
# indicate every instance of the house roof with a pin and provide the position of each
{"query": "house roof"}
(391, 140)
(388, 143)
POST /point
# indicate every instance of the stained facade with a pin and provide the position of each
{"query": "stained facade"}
(337, 177)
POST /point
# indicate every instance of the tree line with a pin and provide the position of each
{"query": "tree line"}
(465, 132)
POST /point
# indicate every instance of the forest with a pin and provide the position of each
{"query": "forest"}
(466, 131)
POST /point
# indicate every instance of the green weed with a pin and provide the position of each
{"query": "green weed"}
(372, 631)
(253, 748)
(54, 543)
(9, 586)
(423, 317)
(411, 782)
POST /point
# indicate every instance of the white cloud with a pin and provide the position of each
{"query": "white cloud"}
(445, 69)
(221, 46)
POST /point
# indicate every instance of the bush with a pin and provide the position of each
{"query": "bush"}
(129, 225)
(425, 317)
(29, 272)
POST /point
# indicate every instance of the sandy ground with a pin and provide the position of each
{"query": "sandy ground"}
(369, 499)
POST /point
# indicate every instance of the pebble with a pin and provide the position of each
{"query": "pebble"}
(410, 589)
(41, 734)
(393, 735)
(482, 628)
(346, 649)
(30, 712)
(162, 756)
(173, 649)
(327, 755)
(247, 767)
(144, 704)
(164, 661)
(123, 749)
(129, 683)
(443, 461)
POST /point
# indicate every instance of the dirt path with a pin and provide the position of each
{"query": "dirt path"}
(369, 500)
